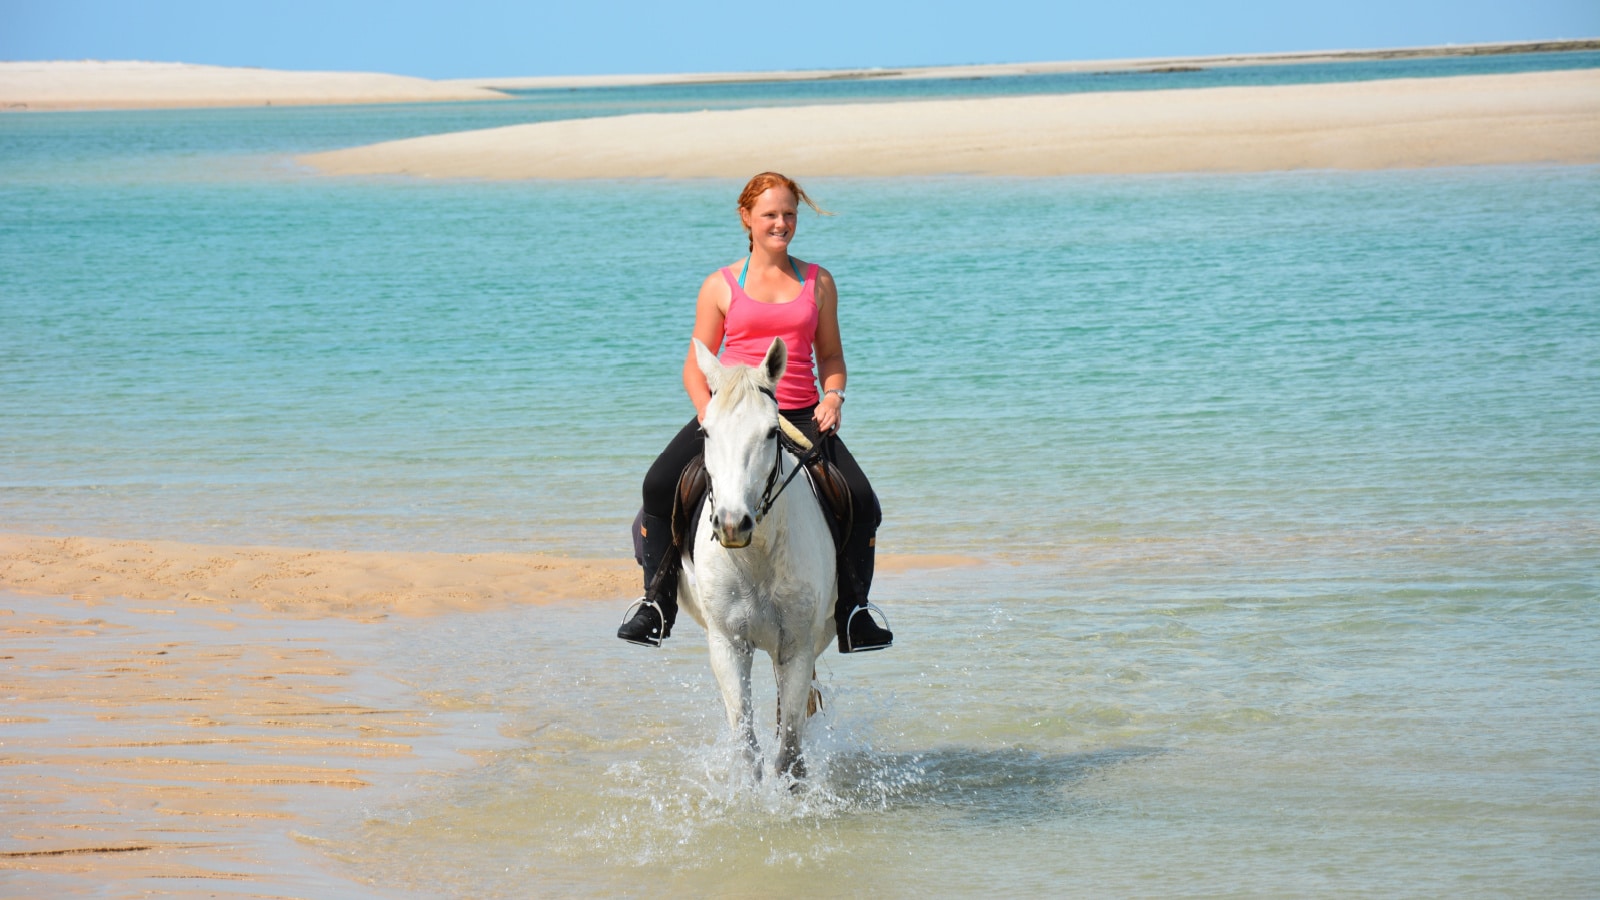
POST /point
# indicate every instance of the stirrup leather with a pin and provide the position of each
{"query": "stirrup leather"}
(873, 607)
(648, 641)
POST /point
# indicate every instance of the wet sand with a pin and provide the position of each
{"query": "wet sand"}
(1535, 117)
(300, 580)
(182, 718)
(186, 720)
(164, 749)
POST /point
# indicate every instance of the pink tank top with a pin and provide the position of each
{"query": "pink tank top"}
(750, 326)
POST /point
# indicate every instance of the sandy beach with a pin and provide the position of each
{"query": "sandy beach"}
(133, 84)
(96, 84)
(1404, 123)
(1045, 67)
(316, 583)
(301, 581)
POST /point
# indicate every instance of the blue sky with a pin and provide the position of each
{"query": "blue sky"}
(470, 38)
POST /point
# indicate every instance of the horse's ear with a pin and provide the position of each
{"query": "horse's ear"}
(710, 366)
(776, 360)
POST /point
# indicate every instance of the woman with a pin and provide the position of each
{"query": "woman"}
(741, 308)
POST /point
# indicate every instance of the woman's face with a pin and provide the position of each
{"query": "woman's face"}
(772, 219)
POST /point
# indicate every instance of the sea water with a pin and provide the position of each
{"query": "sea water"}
(1283, 489)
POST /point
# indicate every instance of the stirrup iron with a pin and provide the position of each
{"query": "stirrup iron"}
(864, 608)
(627, 616)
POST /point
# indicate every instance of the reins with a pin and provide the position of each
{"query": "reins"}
(769, 496)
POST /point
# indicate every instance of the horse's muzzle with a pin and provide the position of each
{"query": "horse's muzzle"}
(734, 530)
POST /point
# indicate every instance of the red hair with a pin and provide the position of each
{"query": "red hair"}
(764, 182)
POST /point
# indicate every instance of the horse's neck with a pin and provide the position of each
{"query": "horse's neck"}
(790, 549)
(796, 504)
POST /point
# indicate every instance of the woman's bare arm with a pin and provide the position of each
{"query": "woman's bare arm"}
(829, 350)
(710, 313)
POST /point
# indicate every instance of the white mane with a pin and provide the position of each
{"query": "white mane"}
(738, 384)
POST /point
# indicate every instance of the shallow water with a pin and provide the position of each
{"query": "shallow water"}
(1064, 363)
(1030, 735)
(1285, 487)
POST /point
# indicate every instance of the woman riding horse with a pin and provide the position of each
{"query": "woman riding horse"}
(772, 295)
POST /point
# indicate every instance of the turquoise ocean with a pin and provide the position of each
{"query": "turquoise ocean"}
(1285, 490)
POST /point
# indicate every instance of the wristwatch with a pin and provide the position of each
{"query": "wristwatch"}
(834, 391)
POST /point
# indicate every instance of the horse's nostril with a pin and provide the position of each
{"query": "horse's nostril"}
(747, 524)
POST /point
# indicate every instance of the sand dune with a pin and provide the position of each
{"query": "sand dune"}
(93, 84)
(1402, 123)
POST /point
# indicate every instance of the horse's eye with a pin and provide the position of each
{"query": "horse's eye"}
(773, 433)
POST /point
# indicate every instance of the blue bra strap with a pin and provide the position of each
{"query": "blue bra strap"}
(792, 264)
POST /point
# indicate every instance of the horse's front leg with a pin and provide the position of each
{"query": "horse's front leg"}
(795, 672)
(730, 663)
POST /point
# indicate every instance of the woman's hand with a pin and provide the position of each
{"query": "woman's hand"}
(828, 413)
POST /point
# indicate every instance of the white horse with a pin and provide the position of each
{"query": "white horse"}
(763, 573)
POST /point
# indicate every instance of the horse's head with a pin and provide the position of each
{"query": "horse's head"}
(741, 429)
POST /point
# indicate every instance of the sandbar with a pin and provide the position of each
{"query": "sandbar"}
(97, 84)
(137, 84)
(1534, 117)
(362, 585)
(1152, 64)
(302, 580)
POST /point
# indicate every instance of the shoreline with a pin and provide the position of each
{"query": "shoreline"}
(310, 583)
(301, 581)
(53, 85)
(1046, 67)
(1532, 117)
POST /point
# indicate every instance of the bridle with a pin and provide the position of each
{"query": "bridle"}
(773, 489)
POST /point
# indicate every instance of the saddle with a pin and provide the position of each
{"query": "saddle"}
(827, 485)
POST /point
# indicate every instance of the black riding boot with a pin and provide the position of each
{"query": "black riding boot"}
(858, 631)
(658, 608)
